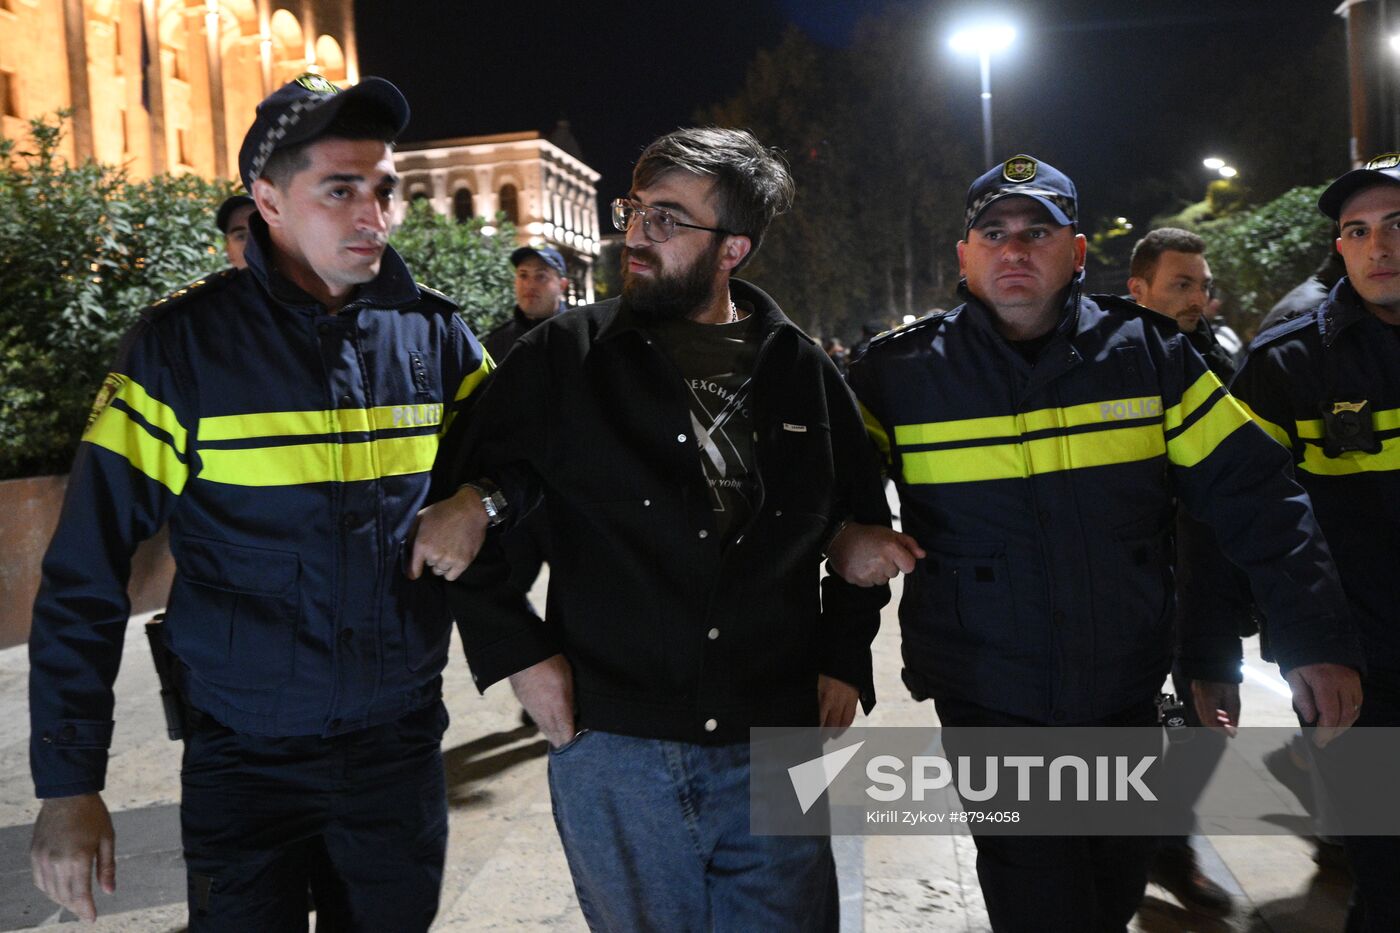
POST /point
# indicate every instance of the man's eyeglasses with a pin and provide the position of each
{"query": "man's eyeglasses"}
(657, 223)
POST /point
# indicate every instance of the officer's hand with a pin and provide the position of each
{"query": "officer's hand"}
(546, 690)
(448, 534)
(71, 833)
(837, 701)
(872, 555)
(1217, 705)
(1327, 696)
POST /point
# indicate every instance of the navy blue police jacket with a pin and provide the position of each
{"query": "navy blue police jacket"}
(671, 632)
(1341, 353)
(289, 450)
(1043, 495)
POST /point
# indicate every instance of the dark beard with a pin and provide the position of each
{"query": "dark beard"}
(671, 296)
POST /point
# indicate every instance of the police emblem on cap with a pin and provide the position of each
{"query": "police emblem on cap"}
(1388, 160)
(1019, 168)
(317, 84)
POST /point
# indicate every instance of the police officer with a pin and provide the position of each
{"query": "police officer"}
(1326, 385)
(232, 221)
(283, 419)
(1036, 440)
(541, 278)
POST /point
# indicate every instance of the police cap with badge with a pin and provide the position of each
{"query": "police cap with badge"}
(301, 110)
(1027, 177)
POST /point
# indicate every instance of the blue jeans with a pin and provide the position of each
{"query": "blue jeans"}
(657, 838)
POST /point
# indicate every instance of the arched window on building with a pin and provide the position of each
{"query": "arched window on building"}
(510, 203)
(462, 207)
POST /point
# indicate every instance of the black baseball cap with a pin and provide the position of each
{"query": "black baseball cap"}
(1382, 170)
(547, 255)
(1027, 177)
(226, 209)
(300, 110)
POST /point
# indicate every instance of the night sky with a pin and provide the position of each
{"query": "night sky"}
(1114, 92)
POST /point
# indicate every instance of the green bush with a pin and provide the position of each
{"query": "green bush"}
(1259, 254)
(461, 262)
(83, 249)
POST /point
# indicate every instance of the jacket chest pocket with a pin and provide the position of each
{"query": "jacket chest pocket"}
(969, 582)
(234, 612)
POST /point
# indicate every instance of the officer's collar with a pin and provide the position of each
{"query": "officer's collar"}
(391, 288)
(1070, 322)
(1342, 309)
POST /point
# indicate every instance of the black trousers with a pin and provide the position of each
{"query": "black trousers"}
(360, 819)
(1375, 860)
(1057, 884)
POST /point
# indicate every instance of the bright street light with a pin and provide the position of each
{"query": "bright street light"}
(1214, 164)
(1395, 42)
(1228, 171)
(982, 40)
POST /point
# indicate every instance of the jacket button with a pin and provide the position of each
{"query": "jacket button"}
(1058, 616)
(712, 634)
(347, 635)
(680, 438)
(777, 513)
(1044, 516)
(711, 725)
(704, 534)
(323, 328)
(68, 733)
(335, 724)
(1058, 715)
(349, 520)
(646, 502)
(346, 401)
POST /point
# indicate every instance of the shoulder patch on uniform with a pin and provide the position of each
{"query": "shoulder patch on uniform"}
(205, 285)
(1286, 327)
(110, 387)
(434, 294)
(912, 327)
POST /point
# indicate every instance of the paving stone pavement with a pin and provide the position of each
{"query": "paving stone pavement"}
(505, 869)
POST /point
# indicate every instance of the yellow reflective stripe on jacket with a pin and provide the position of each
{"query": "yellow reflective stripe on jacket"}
(156, 412)
(877, 432)
(1271, 429)
(1029, 458)
(1353, 462)
(1044, 419)
(1199, 441)
(296, 464)
(333, 421)
(1193, 398)
(469, 385)
(115, 431)
(475, 377)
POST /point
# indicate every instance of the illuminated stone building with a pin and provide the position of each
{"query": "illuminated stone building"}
(163, 85)
(541, 184)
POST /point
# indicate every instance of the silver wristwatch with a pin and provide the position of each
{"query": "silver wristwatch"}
(492, 500)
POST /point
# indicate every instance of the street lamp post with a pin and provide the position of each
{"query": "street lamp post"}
(983, 41)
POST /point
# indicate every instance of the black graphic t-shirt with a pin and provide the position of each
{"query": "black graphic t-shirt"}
(716, 361)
